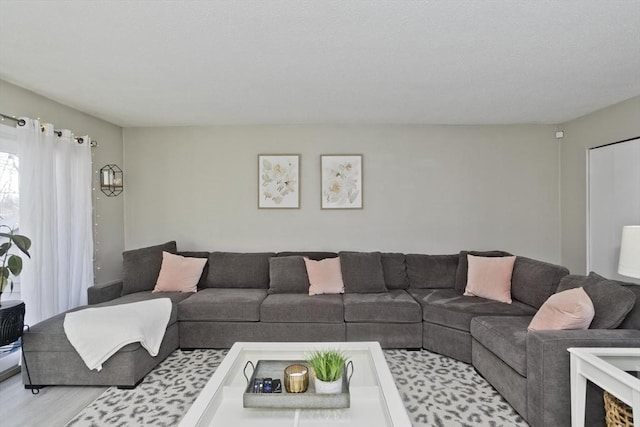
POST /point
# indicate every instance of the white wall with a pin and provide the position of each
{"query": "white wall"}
(614, 123)
(109, 236)
(427, 189)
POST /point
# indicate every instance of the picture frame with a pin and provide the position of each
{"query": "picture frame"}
(278, 181)
(341, 181)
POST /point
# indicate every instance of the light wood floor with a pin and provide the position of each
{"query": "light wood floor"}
(52, 407)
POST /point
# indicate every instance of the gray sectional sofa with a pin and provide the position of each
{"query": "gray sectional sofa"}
(403, 301)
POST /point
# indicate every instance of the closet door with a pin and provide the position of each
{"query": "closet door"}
(613, 201)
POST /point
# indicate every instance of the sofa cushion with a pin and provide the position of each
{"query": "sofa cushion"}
(533, 281)
(448, 307)
(463, 265)
(432, 271)
(362, 272)
(325, 276)
(223, 304)
(632, 321)
(140, 267)
(570, 309)
(239, 270)
(504, 336)
(613, 300)
(395, 306)
(179, 273)
(316, 256)
(490, 277)
(394, 268)
(287, 274)
(301, 308)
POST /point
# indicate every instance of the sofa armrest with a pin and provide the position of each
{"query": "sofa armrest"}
(548, 372)
(104, 292)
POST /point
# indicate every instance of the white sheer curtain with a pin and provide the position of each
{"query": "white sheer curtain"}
(56, 214)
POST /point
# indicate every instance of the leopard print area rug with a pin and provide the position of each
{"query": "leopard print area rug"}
(436, 390)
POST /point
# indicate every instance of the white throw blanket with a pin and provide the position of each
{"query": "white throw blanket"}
(98, 333)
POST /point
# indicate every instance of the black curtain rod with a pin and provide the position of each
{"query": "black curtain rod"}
(22, 122)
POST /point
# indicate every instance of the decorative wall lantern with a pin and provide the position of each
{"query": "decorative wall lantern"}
(111, 182)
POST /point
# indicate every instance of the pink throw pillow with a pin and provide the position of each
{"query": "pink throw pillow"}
(490, 277)
(179, 274)
(325, 276)
(571, 309)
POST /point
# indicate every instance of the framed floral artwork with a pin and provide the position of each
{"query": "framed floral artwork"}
(341, 177)
(278, 181)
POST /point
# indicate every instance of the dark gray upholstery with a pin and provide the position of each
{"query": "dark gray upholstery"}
(632, 321)
(140, 267)
(509, 383)
(238, 270)
(548, 384)
(389, 335)
(533, 281)
(395, 306)
(316, 256)
(104, 292)
(288, 274)
(394, 268)
(505, 337)
(302, 308)
(362, 272)
(65, 367)
(432, 271)
(225, 334)
(448, 307)
(463, 265)
(46, 346)
(612, 300)
(447, 341)
(223, 304)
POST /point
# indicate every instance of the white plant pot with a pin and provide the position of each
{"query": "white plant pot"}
(323, 387)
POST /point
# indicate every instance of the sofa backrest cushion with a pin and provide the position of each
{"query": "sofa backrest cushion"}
(432, 271)
(533, 281)
(316, 256)
(632, 321)
(463, 265)
(239, 270)
(287, 275)
(205, 271)
(362, 272)
(141, 267)
(394, 268)
(615, 302)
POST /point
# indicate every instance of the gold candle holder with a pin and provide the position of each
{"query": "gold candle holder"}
(296, 378)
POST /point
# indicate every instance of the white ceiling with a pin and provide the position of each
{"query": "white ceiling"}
(163, 63)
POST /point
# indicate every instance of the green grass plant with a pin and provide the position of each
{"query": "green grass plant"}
(327, 364)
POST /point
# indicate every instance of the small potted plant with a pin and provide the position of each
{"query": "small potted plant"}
(328, 367)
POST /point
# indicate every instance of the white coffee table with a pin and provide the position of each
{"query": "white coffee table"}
(375, 400)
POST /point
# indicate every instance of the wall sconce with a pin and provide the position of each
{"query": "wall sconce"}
(111, 180)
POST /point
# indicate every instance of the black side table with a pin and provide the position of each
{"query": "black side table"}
(11, 321)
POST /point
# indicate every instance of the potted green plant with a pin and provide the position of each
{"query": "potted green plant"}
(11, 312)
(328, 368)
